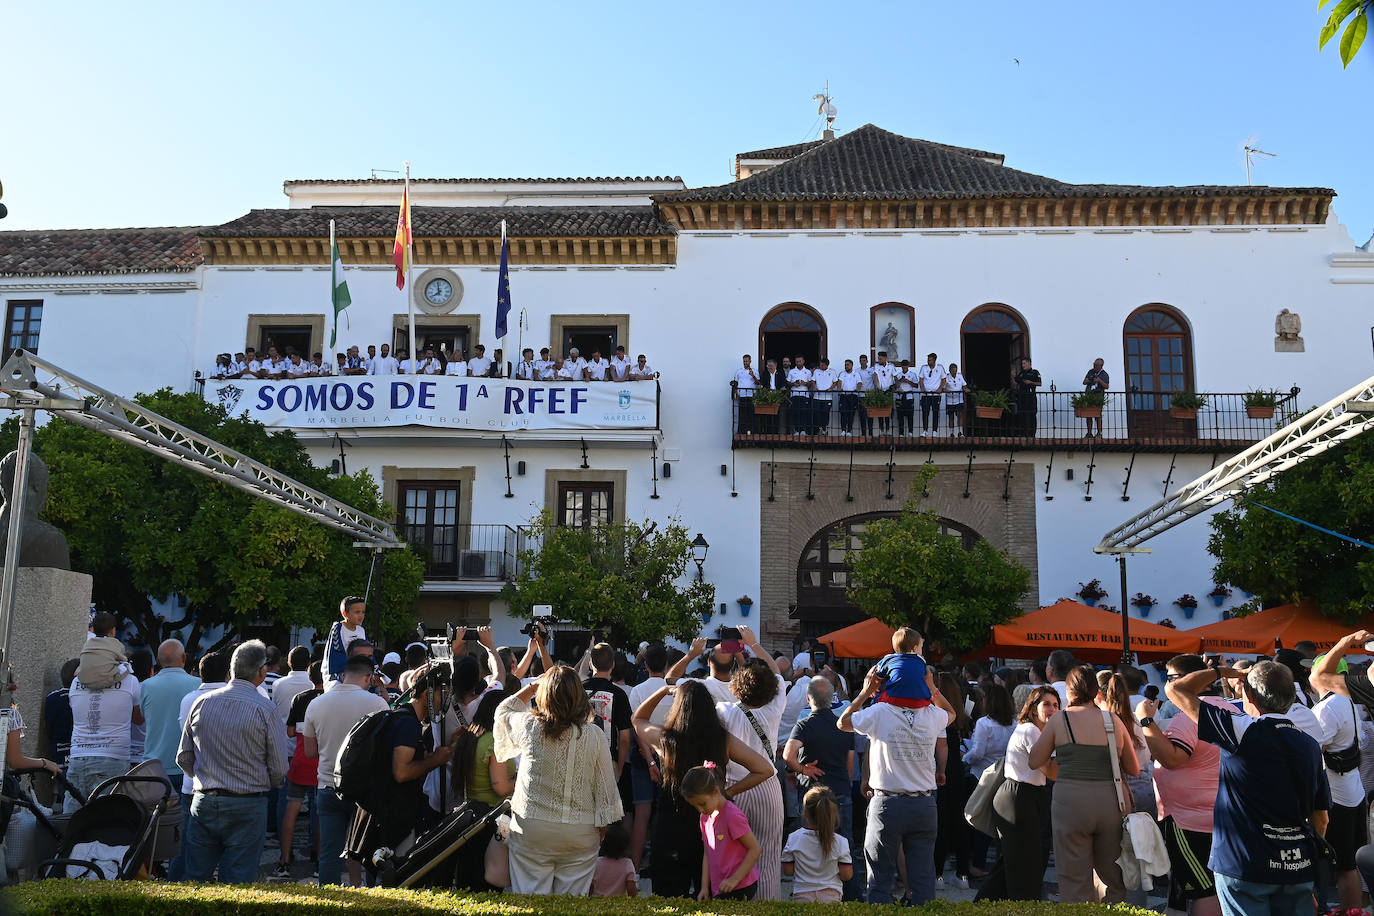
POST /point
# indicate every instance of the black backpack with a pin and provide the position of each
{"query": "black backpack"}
(360, 771)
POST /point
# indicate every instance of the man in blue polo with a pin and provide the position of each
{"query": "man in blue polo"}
(1272, 795)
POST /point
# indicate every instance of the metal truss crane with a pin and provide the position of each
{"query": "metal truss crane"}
(29, 384)
(1323, 428)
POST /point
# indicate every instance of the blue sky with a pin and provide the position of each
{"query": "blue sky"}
(157, 113)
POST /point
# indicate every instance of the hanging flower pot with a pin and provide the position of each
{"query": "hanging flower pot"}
(745, 605)
(1188, 612)
(766, 410)
(880, 413)
(1218, 600)
(1144, 609)
(1260, 413)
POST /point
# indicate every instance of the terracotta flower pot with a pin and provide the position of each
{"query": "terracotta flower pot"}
(1088, 413)
(1260, 413)
(988, 413)
(881, 413)
(1183, 413)
(766, 409)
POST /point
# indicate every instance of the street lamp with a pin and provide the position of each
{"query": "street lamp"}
(699, 548)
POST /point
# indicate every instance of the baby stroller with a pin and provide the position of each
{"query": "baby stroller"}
(430, 860)
(111, 837)
(147, 784)
(32, 832)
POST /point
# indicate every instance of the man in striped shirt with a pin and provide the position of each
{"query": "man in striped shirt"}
(233, 752)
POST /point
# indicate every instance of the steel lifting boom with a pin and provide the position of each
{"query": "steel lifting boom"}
(1326, 427)
(27, 382)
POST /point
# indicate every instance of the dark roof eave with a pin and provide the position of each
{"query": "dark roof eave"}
(1082, 191)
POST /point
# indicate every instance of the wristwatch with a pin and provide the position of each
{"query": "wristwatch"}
(1147, 721)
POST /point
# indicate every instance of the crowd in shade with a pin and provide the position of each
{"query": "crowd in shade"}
(726, 771)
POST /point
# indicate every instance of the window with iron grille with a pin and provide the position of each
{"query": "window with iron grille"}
(429, 521)
(585, 504)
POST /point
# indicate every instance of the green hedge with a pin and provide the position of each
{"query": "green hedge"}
(143, 898)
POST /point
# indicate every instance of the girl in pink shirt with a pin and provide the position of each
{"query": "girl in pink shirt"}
(728, 866)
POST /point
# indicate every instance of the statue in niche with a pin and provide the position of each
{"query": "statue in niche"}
(1288, 333)
(888, 341)
(41, 544)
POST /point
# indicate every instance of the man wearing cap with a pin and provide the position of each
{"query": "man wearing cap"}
(575, 363)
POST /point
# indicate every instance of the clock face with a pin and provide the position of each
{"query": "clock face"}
(438, 291)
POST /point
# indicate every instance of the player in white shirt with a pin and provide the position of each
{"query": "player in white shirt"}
(823, 382)
(565, 371)
(386, 364)
(745, 381)
(480, 364)
(641, 371)
(884, 375)
(224, 365)
(543, 366)
(354, 364)
(596, 368)
(238, 366)
(576, 363)
(406, 365)
(296, 367)
(932, 383)
(457, 365)
(799, 383)
(905, 390)
(525, 369)
(620, 366)
(274, 366)
(371, 358)
(954, 398)
(851, 385)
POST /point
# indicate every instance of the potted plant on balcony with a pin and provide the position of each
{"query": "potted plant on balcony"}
(1091, 592)
(990, 405)
(1089, 404)
(768, 400)
(1219, 594)
(746, 604)
(1261, 403)
(1168, 622)
(1189, 605)
(878, 403)
(1184, 405)
(1143, 603)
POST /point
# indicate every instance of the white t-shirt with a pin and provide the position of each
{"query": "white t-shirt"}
(901, 755)
(596, 369)
(1306, 722)
(385, 365)
(620, 368)
(645, 689)
(954, 388)
(850, 381)
(1337, 717)
(866, 375)
(931, 377)
(719, 690)
(328, 719)
(824, 379)
(479, 365)
(813, 869)
(103, 719)
(884, 375)
(744, 378)
(792, 709)
(797, 380)
(456, 367)
(769, 718)
(526, 370)
(802, 660)
(645, 371)
(187, 702)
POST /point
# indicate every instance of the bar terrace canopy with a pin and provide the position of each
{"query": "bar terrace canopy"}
(1285, 625)
(1091, 634)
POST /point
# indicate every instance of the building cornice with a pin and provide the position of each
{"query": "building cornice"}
(451, 251)
(1020, 212)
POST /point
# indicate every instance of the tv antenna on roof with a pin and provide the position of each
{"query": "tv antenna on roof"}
(827, 109)
(385, 171)
(1251, 151)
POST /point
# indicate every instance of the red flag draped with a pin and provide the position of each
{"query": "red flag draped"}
(400, 250)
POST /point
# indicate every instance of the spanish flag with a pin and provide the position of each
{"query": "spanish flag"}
(400, 251)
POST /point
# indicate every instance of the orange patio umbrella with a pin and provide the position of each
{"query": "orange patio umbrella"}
(869, 638)
(1091, 634)
(1285, 625)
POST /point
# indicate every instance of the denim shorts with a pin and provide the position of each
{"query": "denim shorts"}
(641, 783)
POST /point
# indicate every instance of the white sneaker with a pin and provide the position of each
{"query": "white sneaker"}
(961, 882)
(939, 882)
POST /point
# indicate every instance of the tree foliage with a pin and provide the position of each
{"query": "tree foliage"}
(147, 529)
(1355, 14)
(908, 572)
(621, 579)
(1283, 561)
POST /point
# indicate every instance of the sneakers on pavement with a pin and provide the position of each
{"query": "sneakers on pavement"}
(281, 873)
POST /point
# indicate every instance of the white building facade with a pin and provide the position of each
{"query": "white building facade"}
(816, 250)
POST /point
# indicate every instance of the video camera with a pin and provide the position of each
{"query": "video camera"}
(542, 623)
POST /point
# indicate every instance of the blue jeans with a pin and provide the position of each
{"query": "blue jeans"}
(176, 868)
(1250, 898)
(85, 773)
(228, 832)
(901, 824)
(336, 816)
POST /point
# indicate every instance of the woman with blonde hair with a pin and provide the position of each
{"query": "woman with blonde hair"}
(1113, 696)
(1086, 809)
(565, 790)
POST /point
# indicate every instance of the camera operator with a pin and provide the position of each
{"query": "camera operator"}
(538, 632)
(468, 681)
(722, 660)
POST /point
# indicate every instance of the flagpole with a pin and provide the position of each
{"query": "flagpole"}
(332, 281)
(410, 265)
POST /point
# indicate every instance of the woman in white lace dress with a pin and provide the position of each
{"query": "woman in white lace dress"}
(565, 791)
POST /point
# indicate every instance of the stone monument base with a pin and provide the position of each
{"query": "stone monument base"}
(52, 609)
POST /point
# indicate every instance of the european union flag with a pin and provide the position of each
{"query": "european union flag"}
(503, 286)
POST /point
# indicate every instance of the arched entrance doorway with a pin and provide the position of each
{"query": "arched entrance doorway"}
(823, 571)
(792, 329)
(1159, 360)
(993, 338)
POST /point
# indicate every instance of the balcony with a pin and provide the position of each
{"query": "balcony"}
(467, 558)
(1133, 421)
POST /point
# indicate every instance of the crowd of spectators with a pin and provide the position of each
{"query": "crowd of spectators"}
(572, 367)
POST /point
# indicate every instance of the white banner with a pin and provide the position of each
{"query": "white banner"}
(450, 402)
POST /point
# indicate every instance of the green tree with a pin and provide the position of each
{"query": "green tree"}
(1282, 561)
(621, 579)
(1356, 14)
(908, 572)
(147, 529)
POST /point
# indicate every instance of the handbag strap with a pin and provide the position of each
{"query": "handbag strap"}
(1114, 754)
(768, 750)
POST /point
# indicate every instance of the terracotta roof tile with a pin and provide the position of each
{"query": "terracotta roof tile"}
(460, 222)
(68, 252)
(399, 181)
(870, 163)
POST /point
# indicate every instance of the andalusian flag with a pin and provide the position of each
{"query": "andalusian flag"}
(338, 286)
(400, 250)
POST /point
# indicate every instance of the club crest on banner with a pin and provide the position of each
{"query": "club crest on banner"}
(229, 397)
(624, 399)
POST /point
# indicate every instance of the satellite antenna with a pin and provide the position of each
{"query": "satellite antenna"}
(1251, 151)
(827, 109)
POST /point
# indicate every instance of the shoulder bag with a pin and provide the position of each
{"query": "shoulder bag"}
(1344, 761)
(1133, 825)
(978, 809)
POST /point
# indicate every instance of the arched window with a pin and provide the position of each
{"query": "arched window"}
(1159, 355)
(994, 338)
(823, 571)
(792, 329)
